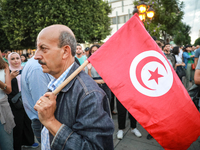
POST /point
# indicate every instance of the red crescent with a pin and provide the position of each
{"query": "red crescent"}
(140, 66)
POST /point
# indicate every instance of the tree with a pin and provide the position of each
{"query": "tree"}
(182, 32)
(4, 43)
(167, 15)
(23, 19)
(197, 41)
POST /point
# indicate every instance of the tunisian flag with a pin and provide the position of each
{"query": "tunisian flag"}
(141, 77)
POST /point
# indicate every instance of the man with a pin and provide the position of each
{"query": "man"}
(196, 56)
(87, 51)
(159, 44)
(79, 116)
(169, 55)
(34, 84)
(196, 86)
(181, 52)
(79, 54)
(6, 52)
(193, 48)
(197, 74)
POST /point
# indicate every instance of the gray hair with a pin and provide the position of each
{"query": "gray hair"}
(66, 38)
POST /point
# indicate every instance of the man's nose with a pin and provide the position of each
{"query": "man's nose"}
(37, 56)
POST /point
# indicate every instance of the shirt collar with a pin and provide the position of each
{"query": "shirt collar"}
(54, 83)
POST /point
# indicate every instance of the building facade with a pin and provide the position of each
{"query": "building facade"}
(121, 13)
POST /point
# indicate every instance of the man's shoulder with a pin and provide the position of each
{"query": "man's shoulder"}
(87, 84)
(197, 53)
(86, 79)
(32, 64)
(170, 55)
(32, 68)
(198, 50)
(85, 57)
(82, 81)
(5, 59)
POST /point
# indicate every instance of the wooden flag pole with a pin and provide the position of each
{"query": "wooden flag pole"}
(60, 87)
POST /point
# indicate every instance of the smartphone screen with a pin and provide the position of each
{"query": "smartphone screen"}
(20, 71)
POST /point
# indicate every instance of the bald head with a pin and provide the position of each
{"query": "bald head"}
(61, 34)
(56, 29)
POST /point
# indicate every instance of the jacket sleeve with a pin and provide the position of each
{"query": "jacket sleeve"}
(93, 128)
(185, 55)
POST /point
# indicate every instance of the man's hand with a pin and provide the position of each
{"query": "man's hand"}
(89, 66)
(46, 107)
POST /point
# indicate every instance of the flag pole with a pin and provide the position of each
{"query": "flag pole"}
(60, 87)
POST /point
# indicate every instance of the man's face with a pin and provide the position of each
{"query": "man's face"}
(193, 48)
(189, 48)
(87, 53)
(48, 54)
(197, 46)
(79, 50)
(6, 55)
(167, 47)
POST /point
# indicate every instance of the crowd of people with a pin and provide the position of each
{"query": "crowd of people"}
(79, 116)
(20, 132)
(182, 59)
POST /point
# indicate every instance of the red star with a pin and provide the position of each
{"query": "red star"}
(155, 75)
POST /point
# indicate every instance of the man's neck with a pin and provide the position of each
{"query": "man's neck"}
(78, 56)
(167, 52)
(66, 65)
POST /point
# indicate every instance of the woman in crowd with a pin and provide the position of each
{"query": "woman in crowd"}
(23, 59)
(179, 63)
(188, 59)
(90, 70)
(6, 117)
(120, 108)
(29, 55)
(22, 133)
(93, 73)
(122, 122)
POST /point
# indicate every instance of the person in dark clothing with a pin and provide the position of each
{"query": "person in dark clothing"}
(78, 117)
(22, 132)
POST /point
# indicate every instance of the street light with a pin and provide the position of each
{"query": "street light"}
(143, 10)
(150, 13)
(142, 7)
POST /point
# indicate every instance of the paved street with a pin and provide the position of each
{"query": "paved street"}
(131, 142)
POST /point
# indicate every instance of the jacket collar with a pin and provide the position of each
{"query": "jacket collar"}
(68, 86)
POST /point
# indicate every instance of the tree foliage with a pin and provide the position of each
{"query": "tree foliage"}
(4, 43)
(168, 13)
(197, 41)
(23, 19)
(182, 36)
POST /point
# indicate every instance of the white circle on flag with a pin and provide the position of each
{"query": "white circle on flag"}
(151, 74)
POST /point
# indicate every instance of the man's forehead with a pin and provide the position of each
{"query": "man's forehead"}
(46, 37)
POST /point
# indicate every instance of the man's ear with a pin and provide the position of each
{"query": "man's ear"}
(66, 51)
